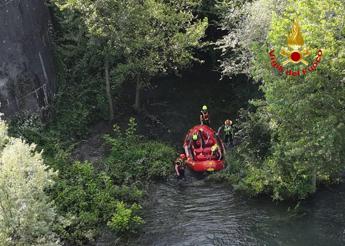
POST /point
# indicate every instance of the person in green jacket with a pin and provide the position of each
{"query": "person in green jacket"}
(227, 128)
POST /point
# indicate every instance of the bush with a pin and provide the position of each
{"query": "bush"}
(27, 217)
(125, 219)
(90, 199)
(132, 158)
(245, 169)
(26, 125)
(93, 199)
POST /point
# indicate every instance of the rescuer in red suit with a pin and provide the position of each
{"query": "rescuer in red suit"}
(204, 117)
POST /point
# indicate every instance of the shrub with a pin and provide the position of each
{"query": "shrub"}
(132, 158)
(125, 219)
(27, 217)
(90, 200)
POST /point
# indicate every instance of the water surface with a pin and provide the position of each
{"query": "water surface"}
(195, 212)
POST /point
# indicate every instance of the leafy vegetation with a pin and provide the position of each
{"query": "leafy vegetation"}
(133, 158)
(288, 142)
(125, 219)
(92, 199)
(27, 216)
(304, 115)
(137, 41)
(80, 99)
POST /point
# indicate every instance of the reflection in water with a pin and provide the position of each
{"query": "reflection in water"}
(195, 212)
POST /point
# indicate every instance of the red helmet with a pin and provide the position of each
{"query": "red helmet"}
(182, 156)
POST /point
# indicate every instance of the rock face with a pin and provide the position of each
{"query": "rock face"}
(27, 74)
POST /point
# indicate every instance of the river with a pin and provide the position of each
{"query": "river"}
(196, 212)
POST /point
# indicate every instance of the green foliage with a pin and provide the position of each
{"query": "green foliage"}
(141, 40)
(25, 124)
(247, 26)
(27, 216)
(132, 158)
(125, 219)
(80, 99)
(3, 133)
(90, 199)
(304, 114)
(245, 162)
(94, 199)
(55, 149)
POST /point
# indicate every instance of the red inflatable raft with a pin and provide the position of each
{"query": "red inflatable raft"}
(206, 153)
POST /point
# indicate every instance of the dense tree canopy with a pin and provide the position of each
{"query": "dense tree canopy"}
(305, 114)
(143, 39)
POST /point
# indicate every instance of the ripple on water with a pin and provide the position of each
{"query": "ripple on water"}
(195, 212)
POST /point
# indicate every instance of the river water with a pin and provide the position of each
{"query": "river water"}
(196, 212)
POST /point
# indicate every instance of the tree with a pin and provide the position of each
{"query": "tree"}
(247, 23)
(81, 94)
(145, 38)
(305, 114)
(27, 216)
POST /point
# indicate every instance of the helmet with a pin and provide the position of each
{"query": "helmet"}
(228, 122)
(214, 147)
(204, 107)
(182, 156)
(195, 137)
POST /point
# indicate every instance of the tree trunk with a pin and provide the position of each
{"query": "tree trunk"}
(107, 86)
(137, 96)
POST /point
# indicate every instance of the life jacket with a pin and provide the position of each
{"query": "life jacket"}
(204, 115)
(196, 144)
(227, 130)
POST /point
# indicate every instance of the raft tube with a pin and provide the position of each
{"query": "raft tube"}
(200, 158)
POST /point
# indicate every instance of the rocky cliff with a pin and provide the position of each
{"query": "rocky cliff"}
(27, 75)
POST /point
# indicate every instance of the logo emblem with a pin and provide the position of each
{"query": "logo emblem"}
(294, 54)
